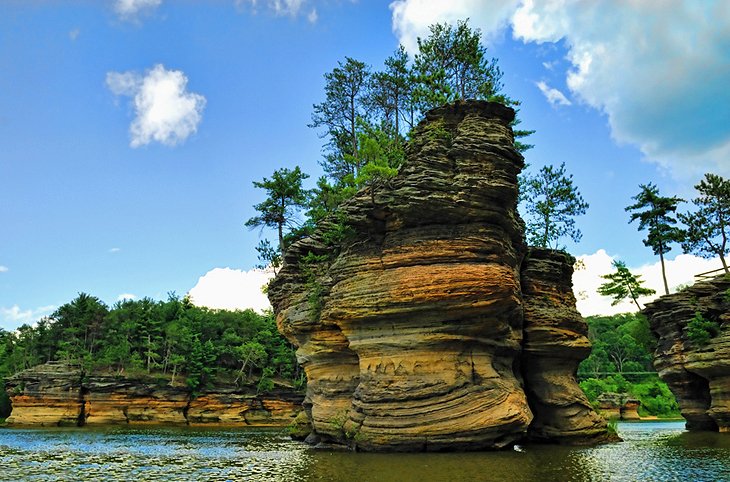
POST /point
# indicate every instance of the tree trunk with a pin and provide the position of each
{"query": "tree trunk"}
(664, 272)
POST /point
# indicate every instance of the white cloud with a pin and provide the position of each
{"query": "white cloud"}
(658, 70)
(279, 7)
(165, 111)
(232, 289)
(680, 271)
(553, 96)
(11, 318)
(312, 16)
(126, 296)
(115, 250)
(411, 18)
(74, 34)
(4, 269)
(129, 9)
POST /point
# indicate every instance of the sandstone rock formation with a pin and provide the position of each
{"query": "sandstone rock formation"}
(617, 406)
(698, 375)
(555, 342)
(58, 394)
(410, 329)
(50, 395)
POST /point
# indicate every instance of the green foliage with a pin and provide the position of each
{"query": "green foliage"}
(452, 64)
(655, 213)
(551, 202)
(623, 284)
(706, 232)
(621, 362)
(701, 330)
(268, 256)
(174, 339)
(612, 427)
(285, 197)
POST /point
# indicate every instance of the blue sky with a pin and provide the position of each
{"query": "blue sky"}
(99, 194)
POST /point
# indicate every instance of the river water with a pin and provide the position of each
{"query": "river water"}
(651, 451)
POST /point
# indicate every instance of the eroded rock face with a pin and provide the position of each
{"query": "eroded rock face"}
(555, 342)
(411, 330)
(58, 394)
(698, 375)
(50, 395)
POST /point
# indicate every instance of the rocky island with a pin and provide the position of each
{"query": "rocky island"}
(693, 352)
(432, 326)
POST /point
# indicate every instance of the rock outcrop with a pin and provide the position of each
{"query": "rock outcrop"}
(410, 324)
(555, 342)
(58, 394)
(617, 406)
(697, 372)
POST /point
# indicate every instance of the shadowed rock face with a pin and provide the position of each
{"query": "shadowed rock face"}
(411, 331)
(699, 376)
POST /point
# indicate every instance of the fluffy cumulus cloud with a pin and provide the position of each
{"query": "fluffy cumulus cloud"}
(130, 9)
(553, 96)
(165, 111)
(11, 318)
(658, 70)
(4, 269)
(411, 18)
(586, 280)
(290, 8)
(126, 296)
(232, 289)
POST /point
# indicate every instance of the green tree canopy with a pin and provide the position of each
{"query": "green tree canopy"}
(706, 230)
(623, 284)
(285, 197)
(346, 101)
(452, 64)
(552, 202)
(655, 213)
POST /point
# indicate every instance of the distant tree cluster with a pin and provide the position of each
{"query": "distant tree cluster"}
(621, 362)
(183, 343)
(366, 118)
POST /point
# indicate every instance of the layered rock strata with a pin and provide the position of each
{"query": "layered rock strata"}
(410, 327)
(57, 394)
(555, 342)
(697, 373)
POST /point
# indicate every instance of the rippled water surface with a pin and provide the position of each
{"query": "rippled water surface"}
(655, 451)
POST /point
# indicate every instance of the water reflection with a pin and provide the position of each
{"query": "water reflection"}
(651, 451)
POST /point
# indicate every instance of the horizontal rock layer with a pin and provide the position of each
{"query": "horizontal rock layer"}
(411, 331)
(57, 394)
(697, 374)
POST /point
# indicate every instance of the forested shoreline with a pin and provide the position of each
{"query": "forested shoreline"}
(175, 341)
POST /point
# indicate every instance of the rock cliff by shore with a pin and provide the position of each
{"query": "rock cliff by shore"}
(696, 370)
(426, 329)
(59, 394)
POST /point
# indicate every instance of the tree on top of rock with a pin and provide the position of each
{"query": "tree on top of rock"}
(452, 64)
(655, 214)
(286, 196)
(707, 228)
(346, 89)
(552, 201)
(623, 284)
